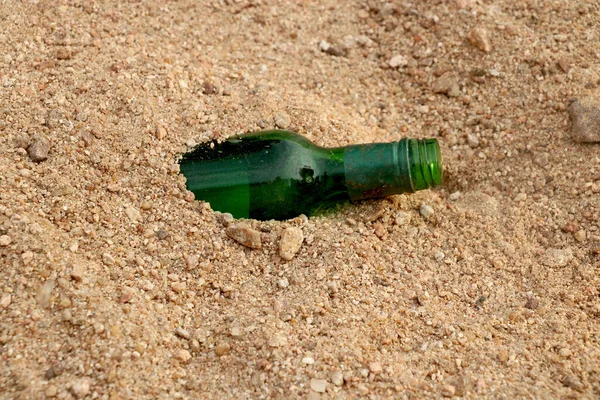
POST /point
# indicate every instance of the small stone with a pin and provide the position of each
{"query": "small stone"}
(132, 213)
(38, 150)
(81, 388)
(236, 332)
(44, 294)
(290, 243)
(51, 391)
(178, 287)
(454, 196)
(5, 300)
(446, 85)
(282, 120)
(332, 50)
(472, 141)
(161, 234)
(556, 257)
(503, 356)
(183, 356)
(183, 333)
(245, 235)
(192, 261)
(63, 53)
(160, 132)
(363, 14)
(222, 349)
(479, 38)
(147, 205)
(126, 296)
(98, 328)
(283, 283)
(403, 218)
(108, 259)
(580, 235)
(426, 211)
(225, 219)
(313, 396)
(278, 340)
(564, 352)
(318, 385)
(398, 61)
(21, 141)
(209, 88)
(375, 368)
(564, 63)
(532, 303)
(541, 159)
(308, 360)
(337, 378)
(448, 391)
(363, 389)
(520, 197)
(585, 115)
(77, 272)
(183, 84)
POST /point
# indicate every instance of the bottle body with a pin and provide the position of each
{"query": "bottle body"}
(280, 174)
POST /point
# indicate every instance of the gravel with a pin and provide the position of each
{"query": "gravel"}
(290, 243)
(245, 235)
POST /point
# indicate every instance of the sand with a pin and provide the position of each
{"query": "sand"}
(116, 284)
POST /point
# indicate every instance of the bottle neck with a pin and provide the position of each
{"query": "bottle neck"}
(384, 169)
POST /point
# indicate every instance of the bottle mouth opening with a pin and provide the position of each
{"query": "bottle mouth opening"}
(425, 163)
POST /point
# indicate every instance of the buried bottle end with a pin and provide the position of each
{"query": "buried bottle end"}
(425, 163)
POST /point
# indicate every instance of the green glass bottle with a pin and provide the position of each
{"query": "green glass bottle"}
(280, 174)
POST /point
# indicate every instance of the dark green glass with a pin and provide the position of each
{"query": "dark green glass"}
(280, 174)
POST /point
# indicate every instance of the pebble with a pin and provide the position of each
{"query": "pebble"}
(278, 340)
(283, 283)
(245, 235)
(376, 368)
(81, 388)
(192, 261)
(236, 331)
(472, 141)
(318, 385)
(183, 356)
(553, 257)
(446, 85)
(133, 214)
(308, 360)
(183, 333)
(479, 38)
(585, 116)
(161, 132)
(290, 243)
(282, 121)
(44, 294)
(38, 150)
(448, 391)
(403, 218)
(5, 240)
(398, 61)
(51, 391)
(5, 300)
(209, 88)
(580, 235)
(532, 303)
(222, 349)
(337, 378)
(426, 211)
(363, 389)
(332, 50)
(77, 272)
(21, 141)
(454, 196)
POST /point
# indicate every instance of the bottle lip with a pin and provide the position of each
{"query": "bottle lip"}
(425, 163)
